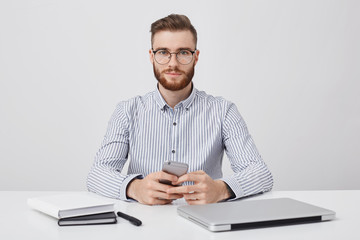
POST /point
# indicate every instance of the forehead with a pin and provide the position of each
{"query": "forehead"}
(173, 40)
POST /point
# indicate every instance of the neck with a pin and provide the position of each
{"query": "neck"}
(174, 97)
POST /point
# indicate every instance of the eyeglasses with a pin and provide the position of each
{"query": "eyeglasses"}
(163, 56)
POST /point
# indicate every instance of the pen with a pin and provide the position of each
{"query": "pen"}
(131, 219)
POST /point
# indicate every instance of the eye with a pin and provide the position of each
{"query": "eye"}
(184, 52)
(162, 52)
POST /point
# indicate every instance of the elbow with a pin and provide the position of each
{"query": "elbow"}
(268, 182)
(89, 181)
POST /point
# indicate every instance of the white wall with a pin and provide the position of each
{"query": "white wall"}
(291, 67)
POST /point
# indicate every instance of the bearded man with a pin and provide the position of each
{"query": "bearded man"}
(179, 123)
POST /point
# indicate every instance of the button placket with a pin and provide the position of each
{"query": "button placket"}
(174, 135)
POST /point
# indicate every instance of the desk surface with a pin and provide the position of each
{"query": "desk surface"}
(18, 221)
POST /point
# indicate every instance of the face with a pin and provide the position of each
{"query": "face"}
(173, 75)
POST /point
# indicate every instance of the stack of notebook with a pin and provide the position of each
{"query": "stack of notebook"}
(76, 208)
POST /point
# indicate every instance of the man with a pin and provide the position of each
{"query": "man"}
(179, 123)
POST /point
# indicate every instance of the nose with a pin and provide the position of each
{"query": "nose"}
(173, 61)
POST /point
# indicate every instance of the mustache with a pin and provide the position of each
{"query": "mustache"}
(175, 69)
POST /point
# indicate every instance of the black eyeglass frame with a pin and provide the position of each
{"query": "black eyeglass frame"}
(176, 54)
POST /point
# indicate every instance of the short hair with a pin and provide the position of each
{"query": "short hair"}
(173, 22)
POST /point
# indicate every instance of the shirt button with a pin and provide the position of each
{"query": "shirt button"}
(173, 151)
(174, 123)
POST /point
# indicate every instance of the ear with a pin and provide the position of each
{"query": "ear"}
(196, 56)
(151, 55)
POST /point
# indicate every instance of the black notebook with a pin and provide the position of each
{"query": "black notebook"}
(100, 218)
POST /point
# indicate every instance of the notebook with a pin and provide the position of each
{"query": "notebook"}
(241, 214)
(100, 218)
(71, 204)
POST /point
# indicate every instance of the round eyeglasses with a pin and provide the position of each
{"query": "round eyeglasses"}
(163, 56)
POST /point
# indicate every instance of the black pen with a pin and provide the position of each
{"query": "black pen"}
(131, 219)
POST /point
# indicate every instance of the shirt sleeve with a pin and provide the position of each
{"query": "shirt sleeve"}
(251, 175)
(105, 176)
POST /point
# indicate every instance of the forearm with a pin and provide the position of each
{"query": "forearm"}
(105, 181)
(255, 178)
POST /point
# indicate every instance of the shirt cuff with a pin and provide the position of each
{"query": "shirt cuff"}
(235, 187)
(125, 184)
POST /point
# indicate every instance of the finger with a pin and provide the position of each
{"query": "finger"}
(165, 176)
(194, 196)
(160, 186)
(182, 189)
(172, 197)
(195, 202)
(199, 172)
(159, 190)
(190, 177)
(168, 196)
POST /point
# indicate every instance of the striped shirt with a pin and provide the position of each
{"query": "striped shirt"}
(197, 131)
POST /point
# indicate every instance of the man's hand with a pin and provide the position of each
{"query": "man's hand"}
(150, 191)
(205, 189)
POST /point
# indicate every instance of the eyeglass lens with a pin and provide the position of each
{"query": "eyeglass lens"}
(164, 56)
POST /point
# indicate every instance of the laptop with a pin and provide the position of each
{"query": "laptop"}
(237, 215)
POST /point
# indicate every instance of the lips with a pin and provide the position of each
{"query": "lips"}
(173, 73)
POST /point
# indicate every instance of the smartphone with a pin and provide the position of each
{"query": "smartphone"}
(175, 168)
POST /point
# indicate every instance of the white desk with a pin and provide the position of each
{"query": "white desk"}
(18, 221)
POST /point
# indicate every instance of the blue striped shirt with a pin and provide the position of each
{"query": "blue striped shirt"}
(197, 131)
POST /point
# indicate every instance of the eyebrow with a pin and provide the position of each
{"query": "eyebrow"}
(179, 49)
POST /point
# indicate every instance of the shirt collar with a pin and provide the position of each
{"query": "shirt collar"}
(159, 99)
(185, 103)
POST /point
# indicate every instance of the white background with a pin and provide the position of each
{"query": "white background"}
(291, 67)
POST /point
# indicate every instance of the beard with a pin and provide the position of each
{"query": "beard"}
(171, 85)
